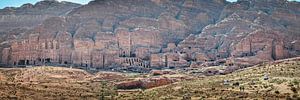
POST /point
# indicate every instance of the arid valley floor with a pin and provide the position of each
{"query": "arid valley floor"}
(275, 80)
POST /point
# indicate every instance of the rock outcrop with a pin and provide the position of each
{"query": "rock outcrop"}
(145, 83)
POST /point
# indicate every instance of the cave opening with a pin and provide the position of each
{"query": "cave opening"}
(123, 54)
(27, 62)
(21, 62)
(48, 60)
(133, 55)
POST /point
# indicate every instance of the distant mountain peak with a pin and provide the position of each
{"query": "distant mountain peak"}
(49, 7)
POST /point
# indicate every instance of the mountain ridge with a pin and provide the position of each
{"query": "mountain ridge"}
(159, 33)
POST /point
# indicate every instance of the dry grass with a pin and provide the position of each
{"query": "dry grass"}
(49, 83)
(282, 78)
(64, 83)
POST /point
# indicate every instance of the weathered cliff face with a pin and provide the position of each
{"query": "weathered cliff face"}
(124, 28)
(29, 16)
(173, 19)
(254, 30)
(14, 22)
(154, 33)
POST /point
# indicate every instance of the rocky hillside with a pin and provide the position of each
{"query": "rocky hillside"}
(54, 82)
(29, 15)
(276, 80)
(154, 33)
(66, 83)
(253, 30)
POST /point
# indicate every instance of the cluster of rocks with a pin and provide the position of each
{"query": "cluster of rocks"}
(153, 33)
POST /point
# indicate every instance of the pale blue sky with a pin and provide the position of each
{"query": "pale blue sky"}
(17, 3)
(236, 0)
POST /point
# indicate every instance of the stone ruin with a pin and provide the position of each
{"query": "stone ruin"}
(125, 49)
(132, 49)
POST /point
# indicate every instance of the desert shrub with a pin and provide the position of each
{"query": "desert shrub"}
(294, 89)
(255, 86)
(213, 88)
(290, 84)
(277, 81)
(277, 92)
(259, 82)
(265, 86)
(295, 82)
(288, 98)
(295, 97)
(186, 97)
(236, 84)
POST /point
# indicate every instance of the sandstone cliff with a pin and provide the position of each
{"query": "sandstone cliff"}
(153, 33)
(254, 30)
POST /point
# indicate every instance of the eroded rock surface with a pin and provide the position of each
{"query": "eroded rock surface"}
(153, 33)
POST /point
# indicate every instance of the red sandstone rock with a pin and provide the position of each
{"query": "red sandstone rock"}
(144, 83)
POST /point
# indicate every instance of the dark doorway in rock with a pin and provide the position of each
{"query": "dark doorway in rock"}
(27, 62)
(86, 65)
(132, 55)
(21, 62)
(48, 60)
(123, 55)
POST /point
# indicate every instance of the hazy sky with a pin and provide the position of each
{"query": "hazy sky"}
(236, 0)
(17, 3)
